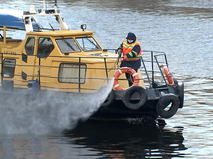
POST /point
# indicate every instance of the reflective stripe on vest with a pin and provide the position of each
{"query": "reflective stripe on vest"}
(127, 48)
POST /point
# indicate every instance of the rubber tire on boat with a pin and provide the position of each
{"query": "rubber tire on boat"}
(110, 99)
(181, 94)
(129, 92)
(164, 101)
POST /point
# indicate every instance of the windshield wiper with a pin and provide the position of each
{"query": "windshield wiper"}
(97, 46)
(68, 44)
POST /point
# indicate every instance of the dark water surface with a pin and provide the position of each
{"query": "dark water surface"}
(182, 29)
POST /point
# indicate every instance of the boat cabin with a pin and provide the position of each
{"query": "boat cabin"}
(64, 60)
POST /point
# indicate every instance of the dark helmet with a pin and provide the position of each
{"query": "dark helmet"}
(131, 36)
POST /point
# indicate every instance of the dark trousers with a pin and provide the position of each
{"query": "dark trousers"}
(130, 78)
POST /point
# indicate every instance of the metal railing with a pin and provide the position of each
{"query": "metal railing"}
(151, 62)
(41, 65)
(150, 66)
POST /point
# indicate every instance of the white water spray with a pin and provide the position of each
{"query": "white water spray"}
(50, 112)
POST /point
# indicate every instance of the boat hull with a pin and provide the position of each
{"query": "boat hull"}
(117, 110)
(154, 104)
(114, 107)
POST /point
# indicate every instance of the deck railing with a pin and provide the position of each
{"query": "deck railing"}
(105, 68)
(150, 67)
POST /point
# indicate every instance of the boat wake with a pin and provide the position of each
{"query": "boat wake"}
(49, 112)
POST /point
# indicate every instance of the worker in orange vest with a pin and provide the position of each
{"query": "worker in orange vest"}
(131, 50)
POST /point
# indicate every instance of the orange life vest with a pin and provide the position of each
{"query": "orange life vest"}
(127, 48)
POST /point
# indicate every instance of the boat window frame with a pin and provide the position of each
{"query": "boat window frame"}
(30, 52)
(43, 51)
(82, 80)
(11, 75)
(91, 42)
(68, 45)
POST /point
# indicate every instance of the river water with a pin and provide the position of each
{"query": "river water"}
(182, 29)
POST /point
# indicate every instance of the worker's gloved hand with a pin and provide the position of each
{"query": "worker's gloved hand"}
(124, 57)
(119, 51)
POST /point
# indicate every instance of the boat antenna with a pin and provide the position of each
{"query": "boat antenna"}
(44, 6)
(56, 3)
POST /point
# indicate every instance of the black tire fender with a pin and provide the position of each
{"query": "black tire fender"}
(164, 102)
(110, 99)
(129, 92)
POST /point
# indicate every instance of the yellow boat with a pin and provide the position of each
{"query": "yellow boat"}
(73, 61)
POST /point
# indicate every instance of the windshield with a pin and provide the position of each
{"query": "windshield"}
(67, 45)
(88, 44)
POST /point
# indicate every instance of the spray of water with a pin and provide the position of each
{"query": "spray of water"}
(51, 111)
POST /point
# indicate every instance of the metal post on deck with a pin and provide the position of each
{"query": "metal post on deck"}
(79, 77)
(152, 68)
(39, 72)
(145, 70)
(2, 71)
(106, 69)
(4, 30)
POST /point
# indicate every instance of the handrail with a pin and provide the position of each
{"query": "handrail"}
(155, 62)
(40, 65)
(144, 66)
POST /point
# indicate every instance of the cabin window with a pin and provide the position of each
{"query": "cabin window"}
(88, 44)
(29, 46)
(45, 47)
(67, 45)
(8, 67)
(69, 73)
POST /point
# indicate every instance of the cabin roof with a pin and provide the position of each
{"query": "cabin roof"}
(63, 33)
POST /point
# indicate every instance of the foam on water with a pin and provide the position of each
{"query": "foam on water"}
(51, 111)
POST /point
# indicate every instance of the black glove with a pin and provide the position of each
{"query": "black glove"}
(119, 51)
